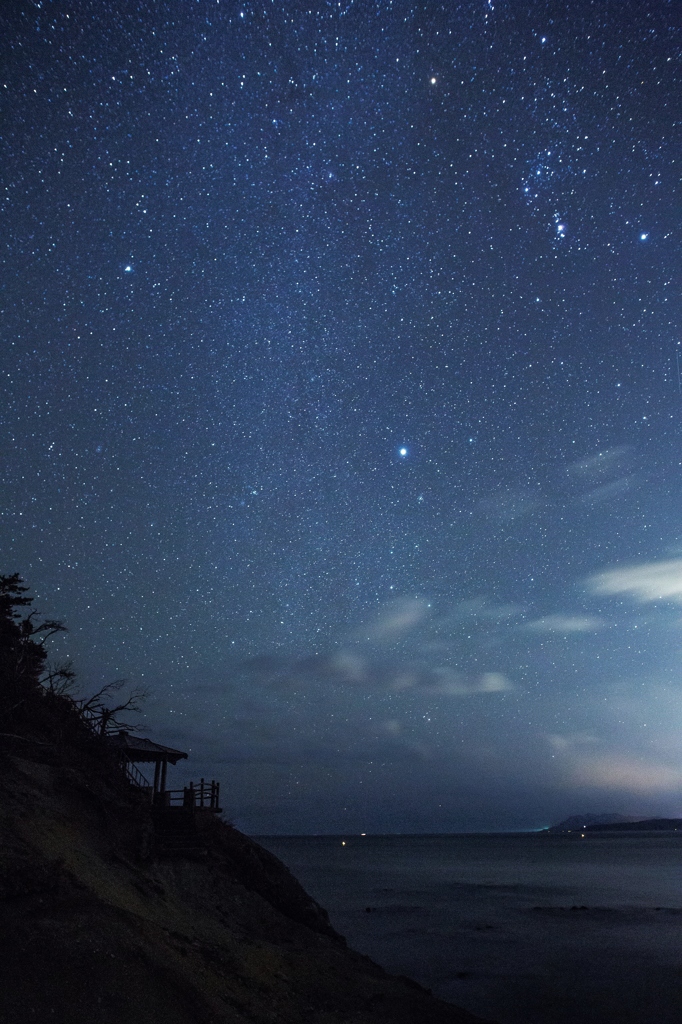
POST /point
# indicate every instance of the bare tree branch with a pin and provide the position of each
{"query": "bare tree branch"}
(97, 710)
(59, 679)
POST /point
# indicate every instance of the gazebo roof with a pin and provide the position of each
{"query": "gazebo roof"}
(137, 748)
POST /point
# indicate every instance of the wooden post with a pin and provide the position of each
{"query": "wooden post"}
(157, 775)
(201, 794)
(164, 769)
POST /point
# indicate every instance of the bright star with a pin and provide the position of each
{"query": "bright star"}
(433, 81)
(402, 452)
(644, 235)
(128, 269)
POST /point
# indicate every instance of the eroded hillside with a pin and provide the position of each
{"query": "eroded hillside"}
(98, 927)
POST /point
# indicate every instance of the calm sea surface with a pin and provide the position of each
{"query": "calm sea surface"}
(521, 929)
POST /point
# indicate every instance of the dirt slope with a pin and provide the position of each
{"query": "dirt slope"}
(97, 928)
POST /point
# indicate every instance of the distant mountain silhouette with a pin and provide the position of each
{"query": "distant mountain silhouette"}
(641, 825)
(578, 822)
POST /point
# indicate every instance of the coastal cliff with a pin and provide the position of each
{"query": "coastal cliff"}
(99, 927)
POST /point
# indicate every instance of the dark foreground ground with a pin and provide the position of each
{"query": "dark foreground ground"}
(97, 927)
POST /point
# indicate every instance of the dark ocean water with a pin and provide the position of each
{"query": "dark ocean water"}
(521, 929)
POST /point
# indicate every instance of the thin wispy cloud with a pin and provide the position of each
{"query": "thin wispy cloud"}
(651, 581)
(565, 624)
(395, 619)
(610, 490)
(606, 463)
(347, 668)
(457, 684)
(568, 742)
(602, 477)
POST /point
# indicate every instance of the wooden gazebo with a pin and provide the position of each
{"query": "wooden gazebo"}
(135, 749)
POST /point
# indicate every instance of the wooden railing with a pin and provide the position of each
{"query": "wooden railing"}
(205, 795)
(135, 776)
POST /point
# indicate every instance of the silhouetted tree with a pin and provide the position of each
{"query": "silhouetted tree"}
(23, 654)
(106, 718)
(35, 693)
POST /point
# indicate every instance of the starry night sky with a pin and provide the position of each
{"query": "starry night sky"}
(341, 398)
